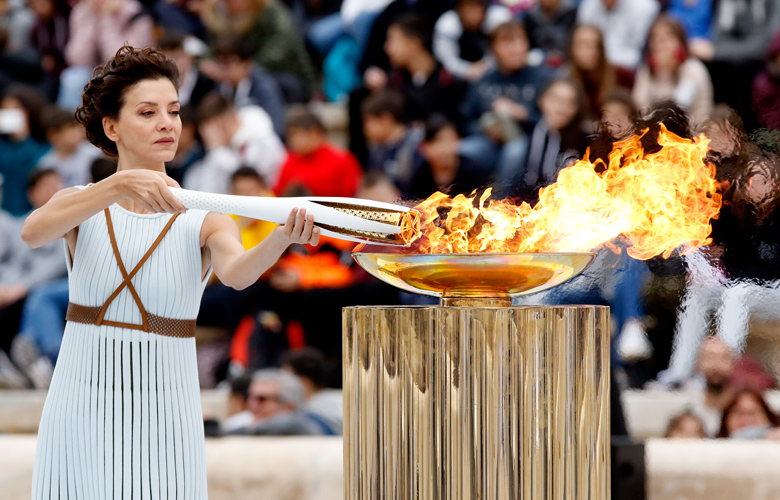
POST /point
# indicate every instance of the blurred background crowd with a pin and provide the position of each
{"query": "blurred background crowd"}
(383, 100)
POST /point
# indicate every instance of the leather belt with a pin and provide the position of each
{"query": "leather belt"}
(182, 328)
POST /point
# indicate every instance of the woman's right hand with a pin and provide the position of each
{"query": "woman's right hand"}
(149, 190)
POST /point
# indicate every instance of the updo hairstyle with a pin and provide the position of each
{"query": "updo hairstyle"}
(104, 94)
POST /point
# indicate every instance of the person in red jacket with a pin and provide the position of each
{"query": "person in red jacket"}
(313, 162)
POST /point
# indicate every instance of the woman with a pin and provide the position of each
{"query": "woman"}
(123, 411)
(589, 66)
(748, 416)
(669, 72)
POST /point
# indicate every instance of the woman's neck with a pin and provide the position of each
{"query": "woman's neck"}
(127, 203)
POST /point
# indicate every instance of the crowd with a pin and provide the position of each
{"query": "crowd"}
(439, 94)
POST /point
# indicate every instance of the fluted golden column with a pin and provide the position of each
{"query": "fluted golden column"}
(476, 403)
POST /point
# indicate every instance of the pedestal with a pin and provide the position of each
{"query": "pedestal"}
(476, 403)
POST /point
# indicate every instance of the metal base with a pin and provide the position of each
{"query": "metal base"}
(476, 403)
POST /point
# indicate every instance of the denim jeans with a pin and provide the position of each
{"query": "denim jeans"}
(43, 317)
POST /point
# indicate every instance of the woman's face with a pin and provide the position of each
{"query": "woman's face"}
(585, 48)
(747, 412)
(559, 105)
(688, 428)
(148, 128)
(664, 45)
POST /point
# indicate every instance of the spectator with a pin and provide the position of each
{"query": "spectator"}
(238, 414)
(391, 144)
(501, 105)
(21, 145)
(324, 406)
(461, 37)
(549, 24)
(268, 29)
(616, 114)
(557, 140)
(50, 35)
(233, 138)
(355, 18)
(766, 88)
(696, 17)
(16, 24)
(589, 67)
(748, 416)
(686, 425)
(71, 154)
(244, 82)
(439, 165)
(25, 268)
(275, 398)
(247, 182)
(98, 28)
(669, 72)
(314, 163)
(180, 16)
(378, 187)
(194, 83)
(624, 23)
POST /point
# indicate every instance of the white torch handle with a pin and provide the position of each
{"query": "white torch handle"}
(278, 209)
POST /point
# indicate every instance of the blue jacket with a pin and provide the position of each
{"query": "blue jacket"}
(17, 160)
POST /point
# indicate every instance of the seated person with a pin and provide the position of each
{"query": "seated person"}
(247, 182)
(460, 37)
(686, 425)
(439, 166)
(275, 398)
(391, 143)
(426, 85)
(313, 162)
(557, 140)
(233, 138)
(243, 81)
(321, 404)
(748, 416)
(238, 414)
(71, 154)
(549, 24)
(195, 84)
(501, 106)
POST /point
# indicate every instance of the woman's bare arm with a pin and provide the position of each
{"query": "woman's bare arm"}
(239, 268)
(70, 207)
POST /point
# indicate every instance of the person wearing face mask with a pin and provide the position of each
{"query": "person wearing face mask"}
(22, 144)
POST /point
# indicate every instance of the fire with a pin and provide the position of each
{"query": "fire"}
(655, 202)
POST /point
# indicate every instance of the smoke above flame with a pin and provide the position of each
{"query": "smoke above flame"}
(655, 201)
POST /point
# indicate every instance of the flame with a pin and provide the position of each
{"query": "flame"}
(656, 202)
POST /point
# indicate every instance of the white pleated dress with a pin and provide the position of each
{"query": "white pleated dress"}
(123, 418)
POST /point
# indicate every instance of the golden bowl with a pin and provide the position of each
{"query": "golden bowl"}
(474, 275)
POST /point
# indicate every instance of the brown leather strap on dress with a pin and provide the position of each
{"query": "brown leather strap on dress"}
(127, 281)
(183, 328)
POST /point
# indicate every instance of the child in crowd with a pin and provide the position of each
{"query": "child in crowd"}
(243, 81)
(71, 154)
(247, 182)
(549, 24)
(617, 110)
(323, 405)
(589, 67)
(194, 82)
(501, 106)
(232, 138)
(557, 140)
(439, 166)
(391, 144)
(686, 425)
(460, 37)
(313, 162)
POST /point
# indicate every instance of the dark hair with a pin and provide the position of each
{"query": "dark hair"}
(228, 46)
(310, 363)
(384, 102)
(104, 94)
(246, 172)
(507, 27)
(240, 386)
(373, 178)
(678, 32)
(416, 26)
(435, 124)
(102, 168)
(37, 174)
(301, 117)
(55, 118)
(172, 40)
(33, 103)
(212, 105)
(774, 419)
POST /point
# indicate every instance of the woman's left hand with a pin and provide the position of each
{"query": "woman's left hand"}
(299, 228)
